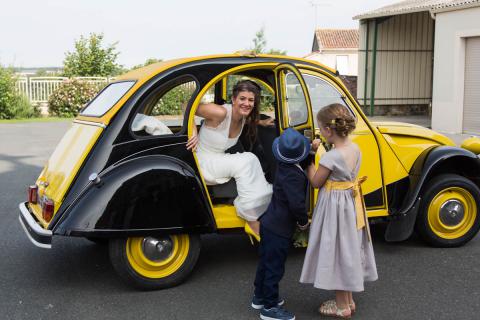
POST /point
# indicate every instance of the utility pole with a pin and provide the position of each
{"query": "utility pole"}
(315, 4)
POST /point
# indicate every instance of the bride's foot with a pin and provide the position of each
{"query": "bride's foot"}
(251, 233)
(255, 226)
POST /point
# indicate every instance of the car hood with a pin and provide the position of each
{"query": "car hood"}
(412, 130)
(408, 141)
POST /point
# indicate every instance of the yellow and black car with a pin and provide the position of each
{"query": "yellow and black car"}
(122, 174)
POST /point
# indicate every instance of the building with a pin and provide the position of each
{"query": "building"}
(416, 55)
(336, 48)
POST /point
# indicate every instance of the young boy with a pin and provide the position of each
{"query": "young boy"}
(286, 210)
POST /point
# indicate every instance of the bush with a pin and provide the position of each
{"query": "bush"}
(174, 101)
(23, 109)
(70, 97)
(12, 104)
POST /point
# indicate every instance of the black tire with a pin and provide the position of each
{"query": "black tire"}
(440, 221)
(141, 277)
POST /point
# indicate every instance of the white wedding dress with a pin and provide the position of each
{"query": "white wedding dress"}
(254, 192)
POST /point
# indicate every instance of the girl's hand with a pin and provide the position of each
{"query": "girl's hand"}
(192, 142)
(315, 144)
(303, 228)
(270, 122)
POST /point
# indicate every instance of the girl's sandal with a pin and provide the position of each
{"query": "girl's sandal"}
(329, 308)
(352, 305)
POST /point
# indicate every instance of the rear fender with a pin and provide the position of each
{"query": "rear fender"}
(150, 195)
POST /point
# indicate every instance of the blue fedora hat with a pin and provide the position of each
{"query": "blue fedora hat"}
(290, 147)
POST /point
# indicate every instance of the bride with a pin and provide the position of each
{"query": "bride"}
(221, 129)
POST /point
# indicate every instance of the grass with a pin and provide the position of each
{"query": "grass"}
(39, 119)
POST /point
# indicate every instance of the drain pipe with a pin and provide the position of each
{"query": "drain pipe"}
(366, 67)
(374, 68)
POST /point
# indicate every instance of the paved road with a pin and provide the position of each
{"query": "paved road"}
(74, 280)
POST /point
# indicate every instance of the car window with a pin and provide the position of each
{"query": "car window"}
(107, 98)
(164, 110)
(322, 94)
(296, 102)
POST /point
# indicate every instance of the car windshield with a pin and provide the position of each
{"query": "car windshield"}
(107, 98)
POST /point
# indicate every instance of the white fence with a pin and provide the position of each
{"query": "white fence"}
(39, 89)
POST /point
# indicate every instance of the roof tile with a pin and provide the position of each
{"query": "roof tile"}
(337, 38)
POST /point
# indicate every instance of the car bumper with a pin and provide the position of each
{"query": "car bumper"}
(40, 237)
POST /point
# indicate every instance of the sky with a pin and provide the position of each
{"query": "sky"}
(38, 33)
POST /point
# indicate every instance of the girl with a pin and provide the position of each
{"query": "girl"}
(339, 254)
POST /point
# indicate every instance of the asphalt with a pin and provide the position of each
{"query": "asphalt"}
(74, 279)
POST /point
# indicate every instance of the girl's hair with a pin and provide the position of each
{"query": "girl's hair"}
(252, 119)
(337, 117)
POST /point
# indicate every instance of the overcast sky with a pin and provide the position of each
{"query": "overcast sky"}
(37, 33)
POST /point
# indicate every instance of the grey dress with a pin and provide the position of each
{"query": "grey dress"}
(339, 256)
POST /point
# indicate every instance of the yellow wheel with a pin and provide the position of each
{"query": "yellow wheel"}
(449, 213)
(155, 262)
(452, 212)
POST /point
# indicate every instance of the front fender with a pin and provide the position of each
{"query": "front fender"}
(438, 160)
(147, 195)
(433, 161)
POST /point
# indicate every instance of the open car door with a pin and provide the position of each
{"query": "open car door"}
(294, 107)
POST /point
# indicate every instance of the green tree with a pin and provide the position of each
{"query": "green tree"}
(149, 61)
(92, 58)
(260, 44)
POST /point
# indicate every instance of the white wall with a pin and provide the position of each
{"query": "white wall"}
(329, 58)
(451, 30)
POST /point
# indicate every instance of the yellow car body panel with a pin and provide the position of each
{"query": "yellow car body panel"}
(226, 217)
(408, 141)
(64, 163)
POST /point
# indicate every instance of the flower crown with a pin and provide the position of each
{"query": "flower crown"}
(338, 121)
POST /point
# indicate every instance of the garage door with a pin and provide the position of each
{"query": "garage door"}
(471, 99)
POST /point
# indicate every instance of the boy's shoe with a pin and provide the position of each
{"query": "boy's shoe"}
(276, 313)
(257, 303)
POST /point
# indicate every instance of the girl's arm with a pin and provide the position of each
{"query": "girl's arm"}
(319, 176)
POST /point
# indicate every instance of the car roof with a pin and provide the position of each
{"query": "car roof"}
(151, 70)
(144, 74)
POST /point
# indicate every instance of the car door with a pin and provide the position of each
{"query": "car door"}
(323, 90)
(294, 107)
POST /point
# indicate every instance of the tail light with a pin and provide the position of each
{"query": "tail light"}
(33, 194)
(47, 211)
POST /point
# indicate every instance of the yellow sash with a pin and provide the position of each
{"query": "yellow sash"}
(355, 186)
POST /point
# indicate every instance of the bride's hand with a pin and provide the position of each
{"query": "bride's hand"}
(192, 142)
(269, 122)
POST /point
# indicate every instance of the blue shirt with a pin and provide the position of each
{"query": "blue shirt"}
(287, 207)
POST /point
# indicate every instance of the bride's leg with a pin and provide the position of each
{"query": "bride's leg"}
(254, 192)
